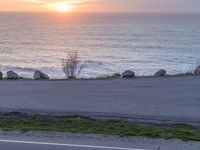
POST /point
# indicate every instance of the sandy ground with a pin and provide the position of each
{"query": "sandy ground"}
(152, 100)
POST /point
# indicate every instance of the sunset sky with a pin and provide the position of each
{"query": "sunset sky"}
(102, 5)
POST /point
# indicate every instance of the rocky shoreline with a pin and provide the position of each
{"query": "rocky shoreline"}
(39, 75)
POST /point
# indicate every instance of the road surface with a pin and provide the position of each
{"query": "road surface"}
(60, 141)
(161, 100)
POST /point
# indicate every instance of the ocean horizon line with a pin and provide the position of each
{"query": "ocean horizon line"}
(103, 12)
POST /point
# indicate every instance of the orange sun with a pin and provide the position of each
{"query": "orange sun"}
(63, 7)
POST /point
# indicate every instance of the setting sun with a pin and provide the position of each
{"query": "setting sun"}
(63, 7)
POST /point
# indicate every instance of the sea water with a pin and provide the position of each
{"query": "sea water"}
(106, 42)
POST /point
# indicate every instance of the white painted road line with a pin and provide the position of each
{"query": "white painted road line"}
(68, 145)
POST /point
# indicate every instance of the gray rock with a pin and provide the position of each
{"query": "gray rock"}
(12, 75)
(1, 75)
(128, 74)
(160, 73)
(38, 75)
(197, 71)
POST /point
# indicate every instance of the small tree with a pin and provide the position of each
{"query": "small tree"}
(71, 65)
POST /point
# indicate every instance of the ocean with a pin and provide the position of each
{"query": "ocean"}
(106, 42)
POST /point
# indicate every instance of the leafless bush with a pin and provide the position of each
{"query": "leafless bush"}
(71, 65)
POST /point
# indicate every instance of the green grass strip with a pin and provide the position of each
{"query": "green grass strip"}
(24, 123)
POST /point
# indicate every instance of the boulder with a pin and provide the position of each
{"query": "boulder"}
(128, 74)
(12, 75)
(197, 71)
(160, 73)
(38, 75)
(1, 75)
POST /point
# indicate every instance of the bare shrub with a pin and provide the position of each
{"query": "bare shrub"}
(71, 65)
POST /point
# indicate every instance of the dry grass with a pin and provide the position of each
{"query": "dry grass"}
(71, 65)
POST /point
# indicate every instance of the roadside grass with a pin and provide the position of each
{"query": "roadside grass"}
(23, 122)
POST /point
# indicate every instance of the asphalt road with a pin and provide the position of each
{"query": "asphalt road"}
(60, 141)
(162, 100)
